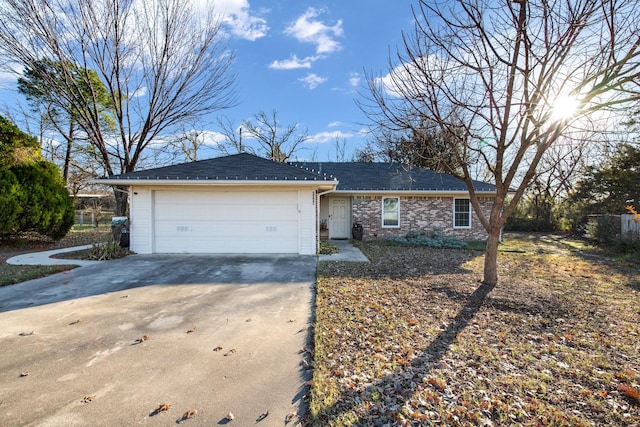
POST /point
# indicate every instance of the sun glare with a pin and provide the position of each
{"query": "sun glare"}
(564, 107)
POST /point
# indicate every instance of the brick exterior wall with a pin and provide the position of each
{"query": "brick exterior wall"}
(417, 213)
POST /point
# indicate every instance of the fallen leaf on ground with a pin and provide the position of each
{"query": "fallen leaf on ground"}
(26, 334)
(143, 339)
(88, 399)
(189, 414)
(629, 391)
(163, 407)
(290, 416)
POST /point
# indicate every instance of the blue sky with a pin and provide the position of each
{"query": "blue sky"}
(306, 60)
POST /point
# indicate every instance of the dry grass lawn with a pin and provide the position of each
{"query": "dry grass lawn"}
(413, 338)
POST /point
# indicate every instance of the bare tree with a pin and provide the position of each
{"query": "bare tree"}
(161, 62)
(340, 147)
(263, 135)
(232, 133)
(187, 143)
(494, 74)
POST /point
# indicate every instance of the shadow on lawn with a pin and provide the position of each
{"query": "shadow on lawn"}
(401, 262)
(614, 259)
(361, 407)
(431, 356)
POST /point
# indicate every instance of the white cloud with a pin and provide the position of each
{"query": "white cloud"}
(237, 15)
(9, 74)
(212, 138)
(293, 63)
(355, 79)
(307, 29)
(139, 92)
(324, 137)
(335, 124)
(312, 80)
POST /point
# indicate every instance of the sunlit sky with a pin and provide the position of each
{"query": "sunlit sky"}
(305, 60)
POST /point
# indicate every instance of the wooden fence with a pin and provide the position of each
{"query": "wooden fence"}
(92, 218)
(630, 228)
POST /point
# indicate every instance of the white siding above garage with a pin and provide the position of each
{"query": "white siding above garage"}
(210, 220)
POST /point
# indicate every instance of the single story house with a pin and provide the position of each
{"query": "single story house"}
(246, 204)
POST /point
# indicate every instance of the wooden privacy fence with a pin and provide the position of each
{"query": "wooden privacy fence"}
(630, 228)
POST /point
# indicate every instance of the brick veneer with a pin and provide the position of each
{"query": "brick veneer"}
(417, 213)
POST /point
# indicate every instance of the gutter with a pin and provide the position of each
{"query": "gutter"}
(318, 195)
(438, 193)
(214, 183)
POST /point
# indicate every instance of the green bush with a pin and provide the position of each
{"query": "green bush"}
(603, 229)
(435, 239)
(46, 205)
(518, 223)
(10, 203)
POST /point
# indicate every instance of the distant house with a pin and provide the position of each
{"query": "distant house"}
(246, 204)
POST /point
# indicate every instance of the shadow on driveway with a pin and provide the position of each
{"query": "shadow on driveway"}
(107, 344)
(144, 270)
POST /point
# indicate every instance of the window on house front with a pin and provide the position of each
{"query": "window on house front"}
(391, 212)
(461, 213)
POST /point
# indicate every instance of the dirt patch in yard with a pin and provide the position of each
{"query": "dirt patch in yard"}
(414, 338)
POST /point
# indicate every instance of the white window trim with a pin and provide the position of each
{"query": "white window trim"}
(382, 213)
(453, 218)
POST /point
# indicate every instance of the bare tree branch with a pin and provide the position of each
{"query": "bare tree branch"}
(162, 63)
(495, 70)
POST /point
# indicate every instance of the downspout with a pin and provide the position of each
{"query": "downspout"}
(318, 195)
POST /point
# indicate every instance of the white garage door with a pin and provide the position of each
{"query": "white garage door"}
(225, 222)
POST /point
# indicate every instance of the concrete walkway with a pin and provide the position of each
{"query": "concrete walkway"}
(44, 258)
(348, 252)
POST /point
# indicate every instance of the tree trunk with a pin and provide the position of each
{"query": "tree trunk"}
(491, 258)
(67, 155)
(121, 194)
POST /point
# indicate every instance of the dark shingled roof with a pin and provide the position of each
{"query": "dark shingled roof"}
(355, 176)
(352, 176)
(229, 168)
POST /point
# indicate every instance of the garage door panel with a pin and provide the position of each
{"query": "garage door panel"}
(223, 229)
(222, 245)
(227, 212)
(204, 198)
(244, 222)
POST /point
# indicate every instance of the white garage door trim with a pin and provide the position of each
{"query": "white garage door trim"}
(197, 221)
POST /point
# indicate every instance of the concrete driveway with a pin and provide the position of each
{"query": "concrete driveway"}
(107, 344)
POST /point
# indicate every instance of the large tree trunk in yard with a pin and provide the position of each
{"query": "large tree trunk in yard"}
(491, 258)
(122, 195)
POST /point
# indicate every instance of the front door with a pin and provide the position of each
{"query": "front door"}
(338, 218)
